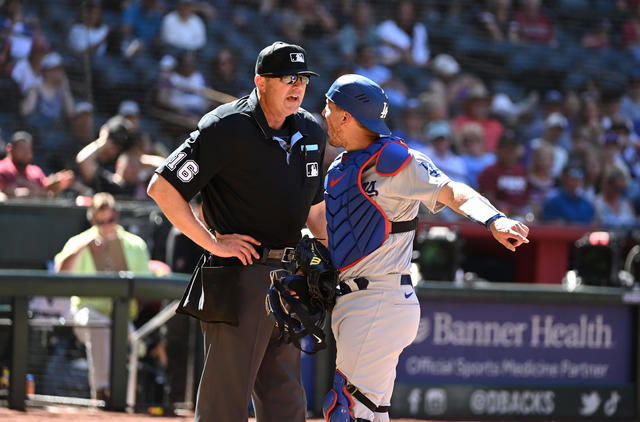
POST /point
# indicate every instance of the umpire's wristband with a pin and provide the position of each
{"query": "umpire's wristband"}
(487, 224)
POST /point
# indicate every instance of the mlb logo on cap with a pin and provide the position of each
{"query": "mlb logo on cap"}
(297, 57)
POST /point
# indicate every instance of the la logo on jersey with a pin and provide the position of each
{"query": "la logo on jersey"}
(312, 169)
(385, 110)
(296, 57)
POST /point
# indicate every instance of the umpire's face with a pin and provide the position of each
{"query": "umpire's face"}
(280, 98)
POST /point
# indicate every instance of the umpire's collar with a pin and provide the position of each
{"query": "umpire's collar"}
(295, 122)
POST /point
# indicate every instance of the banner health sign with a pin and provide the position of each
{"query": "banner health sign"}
(484, 354)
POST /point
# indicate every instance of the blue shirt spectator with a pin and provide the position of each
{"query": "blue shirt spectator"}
(568, 205)
(475, 158)
(142, 20)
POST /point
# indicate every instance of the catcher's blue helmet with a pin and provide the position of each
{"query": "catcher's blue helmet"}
(364, 99)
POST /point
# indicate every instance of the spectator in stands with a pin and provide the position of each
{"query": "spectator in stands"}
(448, 84)
(81, 133)
(362, 30)
(434, 107)
(439, 136)
(317, 22)
(224, 74)
(513, 113)
(19, 29)
(134, 168)
(589, 116)
(569, 205)
(130, 110)
(613, 209)
(50, 103)
(96, 160)
(590, 160)
(532, 25)
(412, 126)
(141, 21)
(404, 38)
(551, 103)
(630, 102)
(598, 37)
(476, 108)
(475, 158)
(555, 125)
(505, 182)
(631, 32)
(610, 103)
(366, 64)
(571, 107)
(104, 247)
(89, 36)
(540, 176)
(182, 94)
(630, 142)
(581, 140)
(495, 20)
(21, 179)
(27, 73)
(612, 148)
(290, 26)
(117, 161)
(183, 29)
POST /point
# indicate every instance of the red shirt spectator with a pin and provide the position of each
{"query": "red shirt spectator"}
(505, 182)
(16, 173)
(476, 110)
(19, 178)
(533, 25)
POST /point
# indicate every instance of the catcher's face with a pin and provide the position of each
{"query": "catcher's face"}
(334, 116)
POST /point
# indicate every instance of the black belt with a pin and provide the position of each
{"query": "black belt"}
(267, 256)
(404, 226)
(362, 283)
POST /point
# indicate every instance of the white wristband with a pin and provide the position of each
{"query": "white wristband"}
(480, 210)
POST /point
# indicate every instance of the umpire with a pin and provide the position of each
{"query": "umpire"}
(257, 162)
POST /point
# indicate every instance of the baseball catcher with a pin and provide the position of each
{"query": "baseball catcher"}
(300, 296)
(372, 195)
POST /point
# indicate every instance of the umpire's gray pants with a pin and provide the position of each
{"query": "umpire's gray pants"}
(248, 361)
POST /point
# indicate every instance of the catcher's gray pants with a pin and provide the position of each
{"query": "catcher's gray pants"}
(248, 361)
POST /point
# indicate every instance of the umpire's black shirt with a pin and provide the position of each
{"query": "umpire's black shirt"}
(251, 182)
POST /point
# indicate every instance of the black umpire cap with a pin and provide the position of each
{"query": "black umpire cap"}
(281, 59)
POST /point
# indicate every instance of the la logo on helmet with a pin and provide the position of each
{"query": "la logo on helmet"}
(385, 110)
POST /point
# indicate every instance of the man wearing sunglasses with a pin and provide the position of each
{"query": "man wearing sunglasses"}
(257, 162)
(105, 246)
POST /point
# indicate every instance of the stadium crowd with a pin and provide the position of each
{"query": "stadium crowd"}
(515, 97)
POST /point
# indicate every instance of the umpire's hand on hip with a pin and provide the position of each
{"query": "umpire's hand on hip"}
(236, 245)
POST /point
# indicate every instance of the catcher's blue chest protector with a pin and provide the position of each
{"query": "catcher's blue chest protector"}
(356, 224)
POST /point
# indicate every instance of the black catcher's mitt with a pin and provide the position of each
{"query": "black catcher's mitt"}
(313, 260)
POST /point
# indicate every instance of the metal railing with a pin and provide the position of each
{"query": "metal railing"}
(20, 285)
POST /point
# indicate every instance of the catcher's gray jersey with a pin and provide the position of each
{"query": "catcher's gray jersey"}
(399, 196)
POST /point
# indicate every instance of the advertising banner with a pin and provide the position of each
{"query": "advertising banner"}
(527, 344)
(500, 402)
